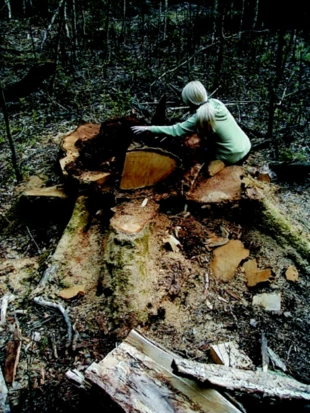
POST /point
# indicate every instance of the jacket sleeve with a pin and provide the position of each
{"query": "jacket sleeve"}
(179, 129)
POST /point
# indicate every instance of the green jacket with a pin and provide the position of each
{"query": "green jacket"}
(229, 141)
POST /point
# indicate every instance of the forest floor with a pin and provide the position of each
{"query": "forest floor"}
(186, 324)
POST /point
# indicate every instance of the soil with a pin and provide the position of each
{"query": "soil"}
(189, 315)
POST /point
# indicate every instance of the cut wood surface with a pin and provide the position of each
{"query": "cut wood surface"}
(83, 132)
(138, 376)
(52, 191)
(145, 168)
(224, 186)
(268, 384)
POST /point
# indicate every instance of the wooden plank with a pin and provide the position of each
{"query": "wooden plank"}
(138, 376)
(266, 383)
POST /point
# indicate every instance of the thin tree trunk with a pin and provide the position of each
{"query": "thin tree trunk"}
(11, 143)
(241, 18)
(255, 14)
(74, 33)
(274, 85)
(124, 28)
(51, 23)
(66, 21)
(165, 18)
(215, 18)
(8, 5)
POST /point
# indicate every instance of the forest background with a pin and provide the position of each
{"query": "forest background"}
(68, 62)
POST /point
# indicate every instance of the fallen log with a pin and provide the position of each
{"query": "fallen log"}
(138, 376)
(291, 170)
(266, 383)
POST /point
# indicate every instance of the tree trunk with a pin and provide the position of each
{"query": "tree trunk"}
(11, 143)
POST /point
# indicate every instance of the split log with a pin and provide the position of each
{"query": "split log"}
(146, 167)
(77, 259)
(12, 356)
(137, 375)
(127, 261)
(268, 384)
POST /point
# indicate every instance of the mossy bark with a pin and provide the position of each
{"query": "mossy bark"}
(270, 217)
(127, 274)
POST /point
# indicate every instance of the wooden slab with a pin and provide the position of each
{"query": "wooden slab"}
(138, 376)
(145, 168)
(227, 258)
(224, 186)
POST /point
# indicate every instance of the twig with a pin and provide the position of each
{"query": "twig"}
(75, 337)
(206, 283)
(196, 175)
(265, 357)
(34, 241)
(184, 62)
(59, 307)
(54, 346)
(47, 275)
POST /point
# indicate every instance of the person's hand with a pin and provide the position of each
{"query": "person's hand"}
(139, 129)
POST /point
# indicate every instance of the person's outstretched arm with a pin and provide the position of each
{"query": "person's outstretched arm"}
(179, 129)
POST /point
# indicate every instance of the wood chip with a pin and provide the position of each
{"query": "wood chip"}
(214, 167)
(173, 242)
(270, 302)
(291, 273)
(227, 258)
(229, 354)
(255, 276)
(75, 291)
